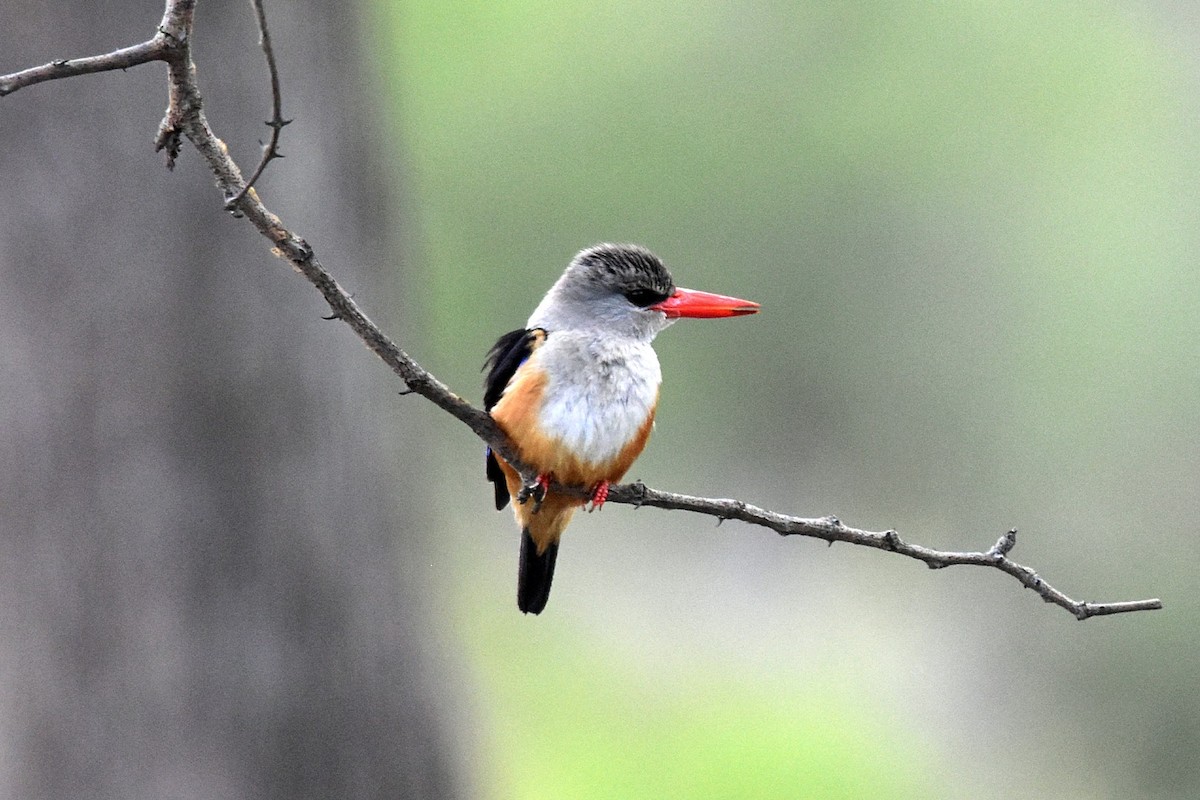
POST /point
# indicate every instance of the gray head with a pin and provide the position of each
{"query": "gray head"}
(609, 288)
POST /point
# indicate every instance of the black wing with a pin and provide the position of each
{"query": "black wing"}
(508, 353)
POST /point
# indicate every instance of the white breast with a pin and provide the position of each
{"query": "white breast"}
(599, 393)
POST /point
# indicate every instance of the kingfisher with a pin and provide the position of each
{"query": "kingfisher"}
(576, 390)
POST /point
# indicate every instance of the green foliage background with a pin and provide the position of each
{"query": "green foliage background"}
(972, 228)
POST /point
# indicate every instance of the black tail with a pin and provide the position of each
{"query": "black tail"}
(534, 575)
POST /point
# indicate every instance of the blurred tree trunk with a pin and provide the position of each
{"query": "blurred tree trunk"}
(206, 587)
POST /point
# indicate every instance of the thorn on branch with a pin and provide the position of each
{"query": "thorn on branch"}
(60, 62)
(735, 509)
(333, 316)
(402, 392)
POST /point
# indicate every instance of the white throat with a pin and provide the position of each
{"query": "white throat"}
(600, 392)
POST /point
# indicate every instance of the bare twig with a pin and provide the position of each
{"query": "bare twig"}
(277, 122)
(151, 50)
(831, 530)
(185, 118)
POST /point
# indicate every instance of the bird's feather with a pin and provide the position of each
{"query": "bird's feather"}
(508, 353)
(535, 572)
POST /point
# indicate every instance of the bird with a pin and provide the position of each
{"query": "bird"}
(576, 391)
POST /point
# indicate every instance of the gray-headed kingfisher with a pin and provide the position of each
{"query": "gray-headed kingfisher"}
(576, 389)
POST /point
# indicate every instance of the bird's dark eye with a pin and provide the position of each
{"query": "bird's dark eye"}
(645, 297)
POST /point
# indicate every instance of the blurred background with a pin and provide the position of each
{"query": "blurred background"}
(234, 563)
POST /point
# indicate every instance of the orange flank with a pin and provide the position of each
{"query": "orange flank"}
(517, 414)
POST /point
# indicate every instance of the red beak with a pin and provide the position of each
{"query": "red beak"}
(690, 303)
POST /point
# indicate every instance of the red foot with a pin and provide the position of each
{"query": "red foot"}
(539, 490)
(599, 495)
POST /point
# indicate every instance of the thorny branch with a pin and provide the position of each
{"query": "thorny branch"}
(185, 118)
(69, 67)
(277, 122)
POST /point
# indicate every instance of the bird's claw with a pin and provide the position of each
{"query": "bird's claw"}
(599, 495)
(536, 490)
